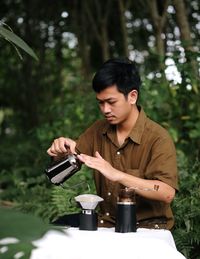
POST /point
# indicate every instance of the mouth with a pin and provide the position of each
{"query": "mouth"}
(110, 117)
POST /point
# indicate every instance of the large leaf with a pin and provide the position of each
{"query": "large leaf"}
(24, 228)
(12, 37)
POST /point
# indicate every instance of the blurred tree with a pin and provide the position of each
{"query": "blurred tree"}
(158, 12)
(123, 6)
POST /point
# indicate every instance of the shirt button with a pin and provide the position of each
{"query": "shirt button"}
(101, 221)
(118, 152)
(109, 193)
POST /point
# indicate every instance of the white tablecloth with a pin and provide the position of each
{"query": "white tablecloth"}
(105, 243)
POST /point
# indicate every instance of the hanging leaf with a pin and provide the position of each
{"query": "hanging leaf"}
(14, 39)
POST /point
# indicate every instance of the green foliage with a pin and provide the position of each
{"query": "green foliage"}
(175, 106)
(187, 211)
(23, 228)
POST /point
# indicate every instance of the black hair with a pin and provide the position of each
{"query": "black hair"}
(121, 72)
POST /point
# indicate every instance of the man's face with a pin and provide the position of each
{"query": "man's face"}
(115, 107)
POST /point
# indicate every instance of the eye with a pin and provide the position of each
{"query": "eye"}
(112, 102)
(100, 102)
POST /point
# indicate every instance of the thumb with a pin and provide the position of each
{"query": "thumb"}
(97, 155)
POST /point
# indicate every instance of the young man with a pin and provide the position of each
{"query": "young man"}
(126, 149)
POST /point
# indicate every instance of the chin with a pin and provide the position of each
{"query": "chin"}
(113, 122)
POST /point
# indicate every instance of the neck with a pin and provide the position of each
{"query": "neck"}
(126, 126)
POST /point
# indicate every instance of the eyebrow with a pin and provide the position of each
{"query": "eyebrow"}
(106, 100)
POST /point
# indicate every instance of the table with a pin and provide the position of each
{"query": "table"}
(73, 243)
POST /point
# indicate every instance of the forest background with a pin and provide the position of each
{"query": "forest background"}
(41, 100)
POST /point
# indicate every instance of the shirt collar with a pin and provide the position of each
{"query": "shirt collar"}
(138, 129)
(136, 132)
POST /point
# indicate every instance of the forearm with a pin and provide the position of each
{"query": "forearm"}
(164, 193)
(146, 188)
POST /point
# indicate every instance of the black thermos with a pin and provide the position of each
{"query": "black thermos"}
(126, 211)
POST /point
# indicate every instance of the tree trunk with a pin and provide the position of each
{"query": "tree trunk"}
(98, 21)
(29, 85)
(158, 12)
(81, 28)
(185, 34)
(104, 42)
(182, 21)
(123, 27)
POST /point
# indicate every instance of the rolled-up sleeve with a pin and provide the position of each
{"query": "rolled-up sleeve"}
(163, 165)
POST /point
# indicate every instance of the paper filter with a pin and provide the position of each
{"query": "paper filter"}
(88, 201)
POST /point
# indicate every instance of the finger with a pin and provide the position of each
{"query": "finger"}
(60, 145)
(87, 160)
(81, 157)
(70, 145)
(50, 153)
(97, 155)
(73, 148)
(55, 149)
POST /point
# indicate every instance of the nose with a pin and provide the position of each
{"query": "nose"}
(105, 108)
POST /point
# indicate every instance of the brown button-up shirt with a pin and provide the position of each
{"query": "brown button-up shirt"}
(148, 153)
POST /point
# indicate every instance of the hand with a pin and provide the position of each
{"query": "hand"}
(98, 163)
(61, 147)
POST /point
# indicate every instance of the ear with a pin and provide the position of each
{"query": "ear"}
(133, 96)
